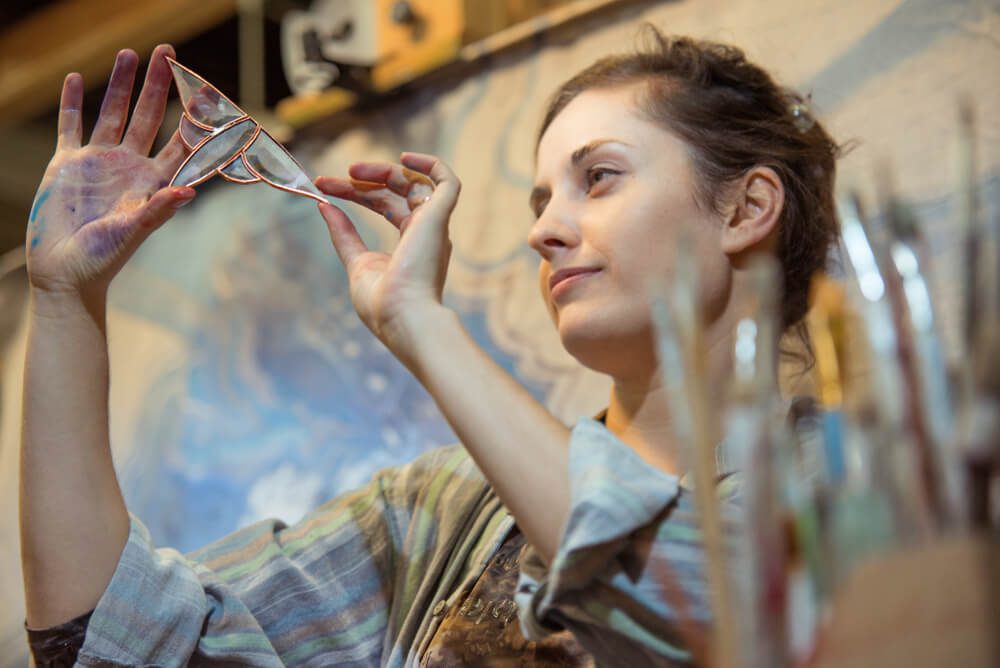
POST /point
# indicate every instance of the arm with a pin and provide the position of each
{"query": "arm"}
(73, 518)
(95, 205)
(520, 447)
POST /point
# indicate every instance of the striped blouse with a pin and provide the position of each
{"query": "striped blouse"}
(366, 578)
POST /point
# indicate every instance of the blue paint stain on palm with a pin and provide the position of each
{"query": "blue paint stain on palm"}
(39, 201)
(37, 224)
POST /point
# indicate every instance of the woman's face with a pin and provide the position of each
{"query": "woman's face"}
(612, 192)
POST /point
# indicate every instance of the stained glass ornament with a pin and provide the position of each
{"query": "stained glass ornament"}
(224, 140)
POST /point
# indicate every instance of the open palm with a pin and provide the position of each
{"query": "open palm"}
(96, 203)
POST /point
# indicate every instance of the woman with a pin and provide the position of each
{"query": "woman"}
(588, 527)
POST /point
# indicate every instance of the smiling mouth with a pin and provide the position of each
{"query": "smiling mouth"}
(562, 280)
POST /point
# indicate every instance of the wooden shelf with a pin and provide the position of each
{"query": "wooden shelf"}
(84, 36)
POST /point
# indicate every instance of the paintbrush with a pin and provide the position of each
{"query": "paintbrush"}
(682, 363)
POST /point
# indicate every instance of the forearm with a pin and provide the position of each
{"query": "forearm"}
(73, 519)
(518, 445)
(522, 449)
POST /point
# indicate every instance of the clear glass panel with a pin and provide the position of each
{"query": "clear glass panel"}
(270, 159)
(237, 169)
(191, 133)
(216, 151)
(202, 100)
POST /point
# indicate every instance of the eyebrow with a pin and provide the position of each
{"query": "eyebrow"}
(579, 154)
(539, 193)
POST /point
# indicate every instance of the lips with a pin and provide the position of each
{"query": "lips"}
(561, 280)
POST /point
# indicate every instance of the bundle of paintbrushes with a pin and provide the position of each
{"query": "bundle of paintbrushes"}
(898, 449)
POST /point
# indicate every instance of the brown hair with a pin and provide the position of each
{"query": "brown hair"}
(733, 117)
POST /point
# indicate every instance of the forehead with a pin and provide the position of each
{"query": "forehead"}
(597, 114)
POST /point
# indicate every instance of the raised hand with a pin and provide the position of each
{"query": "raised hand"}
(392, 292)
(97, 202)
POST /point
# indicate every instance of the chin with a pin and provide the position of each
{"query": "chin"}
(610, 345)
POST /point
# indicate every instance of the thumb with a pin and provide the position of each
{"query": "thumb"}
(160, 208)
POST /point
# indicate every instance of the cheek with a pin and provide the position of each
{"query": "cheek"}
(543, 288)
(645, 249)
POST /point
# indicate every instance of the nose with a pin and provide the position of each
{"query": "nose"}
(554, 231)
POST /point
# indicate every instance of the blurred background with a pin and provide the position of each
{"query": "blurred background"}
(243, 384)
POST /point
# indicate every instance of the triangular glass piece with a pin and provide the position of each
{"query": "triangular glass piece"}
(276, 165)
(237, 171)
(229, 142)
(214, 153)
(202, 101)
(191, 133)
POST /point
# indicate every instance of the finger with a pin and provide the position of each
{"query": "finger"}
(414, 186)
(123, 236)
(373, 196)
(446, 184)
(171, 156)
(420, 192)
(399, 179)
(149, 109)
(70, 115)
(350, 190)
(428, 165)
(159, 209)
(346, 240)
(114, 109)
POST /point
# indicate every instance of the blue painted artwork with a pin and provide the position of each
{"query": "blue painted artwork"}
(287, 399)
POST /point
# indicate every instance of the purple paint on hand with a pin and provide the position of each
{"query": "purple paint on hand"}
(105, 240)
(90, 205)
(91, 166)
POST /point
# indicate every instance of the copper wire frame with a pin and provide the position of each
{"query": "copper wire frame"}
(238, 155)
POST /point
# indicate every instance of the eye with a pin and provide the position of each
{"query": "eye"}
(599, 175)
(538, 206)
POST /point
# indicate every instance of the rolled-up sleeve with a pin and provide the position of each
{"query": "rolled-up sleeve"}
(268, 595)
(628, 576)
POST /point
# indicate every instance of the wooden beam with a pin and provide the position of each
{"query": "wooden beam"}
(83, 36)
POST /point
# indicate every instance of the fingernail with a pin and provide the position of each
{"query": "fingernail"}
(183, 196)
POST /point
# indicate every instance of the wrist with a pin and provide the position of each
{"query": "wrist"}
(68, 305)
(416, 337)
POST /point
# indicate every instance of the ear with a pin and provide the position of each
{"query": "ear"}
(758, 200)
